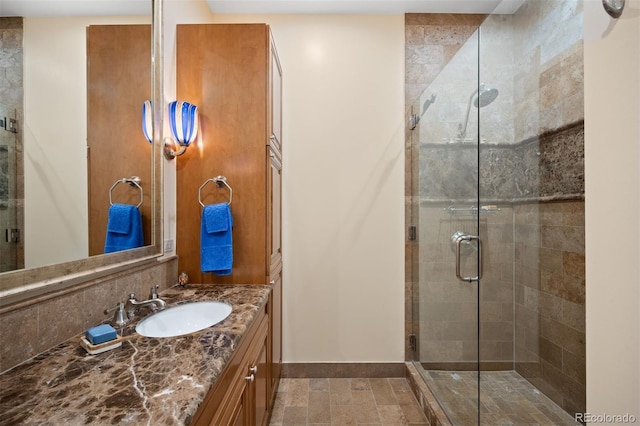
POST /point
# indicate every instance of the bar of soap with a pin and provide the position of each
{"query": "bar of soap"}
(100, 334)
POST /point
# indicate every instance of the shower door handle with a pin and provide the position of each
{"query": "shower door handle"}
(459, 240)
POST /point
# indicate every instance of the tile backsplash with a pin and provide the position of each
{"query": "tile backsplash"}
(37, 326)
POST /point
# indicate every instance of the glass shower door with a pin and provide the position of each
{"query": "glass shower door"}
(445, 144)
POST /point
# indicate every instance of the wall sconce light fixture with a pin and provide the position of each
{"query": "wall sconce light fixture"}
(183, 122)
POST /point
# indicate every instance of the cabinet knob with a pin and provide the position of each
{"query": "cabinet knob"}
(250, 378)
(253, 369)
(272, 282)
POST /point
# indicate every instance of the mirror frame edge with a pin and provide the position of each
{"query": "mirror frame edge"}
(49, 281)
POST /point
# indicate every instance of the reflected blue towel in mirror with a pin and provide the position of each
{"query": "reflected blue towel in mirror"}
(124, 228)
(216, 242)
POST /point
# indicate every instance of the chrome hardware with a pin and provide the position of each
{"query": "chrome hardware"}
(613, 7)
(467, 249)
(413, 121)
(220, 181)
(134, 181)
(153, 294)
(12, 235)
(413, 342)
(468, 238)
(119, 318)
(413, 232)
(250, 378)
(472, 211)
(13, 125)
(133, 305)
(253, 369)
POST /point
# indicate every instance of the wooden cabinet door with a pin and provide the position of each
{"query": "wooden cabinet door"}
(261, 383)
(274, 201)
(275, 316)
(257, 391)
(236, 407)
(275, 95)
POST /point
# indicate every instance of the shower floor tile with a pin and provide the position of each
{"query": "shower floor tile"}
(505, 399)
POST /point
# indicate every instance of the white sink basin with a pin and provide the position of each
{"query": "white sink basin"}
(183, 319)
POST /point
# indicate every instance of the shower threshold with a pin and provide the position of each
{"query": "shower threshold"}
(505, 398)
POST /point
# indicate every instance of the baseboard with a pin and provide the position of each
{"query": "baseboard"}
(342, 370)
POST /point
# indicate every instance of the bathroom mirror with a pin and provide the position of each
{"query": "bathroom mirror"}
(51, 214)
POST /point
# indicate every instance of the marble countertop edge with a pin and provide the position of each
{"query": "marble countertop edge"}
(145, 381)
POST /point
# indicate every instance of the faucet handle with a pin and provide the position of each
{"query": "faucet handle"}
(119, 318)
(153, 294)
(183, 279)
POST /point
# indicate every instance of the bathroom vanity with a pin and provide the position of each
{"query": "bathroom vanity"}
(217, 376)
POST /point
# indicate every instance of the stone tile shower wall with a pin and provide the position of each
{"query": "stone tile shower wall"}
(550, 300)
(532, 168)
(549, 266)
(11, 170)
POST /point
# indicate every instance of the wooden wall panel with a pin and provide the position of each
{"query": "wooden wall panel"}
(222, 68)
(118, 82)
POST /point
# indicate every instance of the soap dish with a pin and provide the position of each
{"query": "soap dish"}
(100, 347)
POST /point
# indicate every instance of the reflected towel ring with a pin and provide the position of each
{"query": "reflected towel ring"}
(219, 180)
(133, 181)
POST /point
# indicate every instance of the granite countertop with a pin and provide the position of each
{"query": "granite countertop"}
(152, 381)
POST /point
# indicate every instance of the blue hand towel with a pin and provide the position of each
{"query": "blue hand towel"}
(216, 247)
(124, 228)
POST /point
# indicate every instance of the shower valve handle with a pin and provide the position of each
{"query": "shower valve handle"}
(459, 240)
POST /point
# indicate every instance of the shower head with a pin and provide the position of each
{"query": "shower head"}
(428, 103)
(484, 97)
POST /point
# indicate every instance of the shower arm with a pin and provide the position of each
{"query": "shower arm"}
(463, 129)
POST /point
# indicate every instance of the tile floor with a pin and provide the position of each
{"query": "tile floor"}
(385, 402)
(506, 398)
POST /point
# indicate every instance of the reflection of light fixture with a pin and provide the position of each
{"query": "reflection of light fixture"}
(183, 122)
(147, 127)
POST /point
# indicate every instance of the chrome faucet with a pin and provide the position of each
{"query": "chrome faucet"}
(119, 317)
(154, 303)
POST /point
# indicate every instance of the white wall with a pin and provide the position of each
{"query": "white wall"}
(55, 137)
(343, 156)
(344, 187)
(612, 170)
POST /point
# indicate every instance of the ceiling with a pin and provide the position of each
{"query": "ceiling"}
(363, 6)
(28, 8)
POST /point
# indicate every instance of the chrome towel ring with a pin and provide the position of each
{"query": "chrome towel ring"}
(133, 181)
(220, 181)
